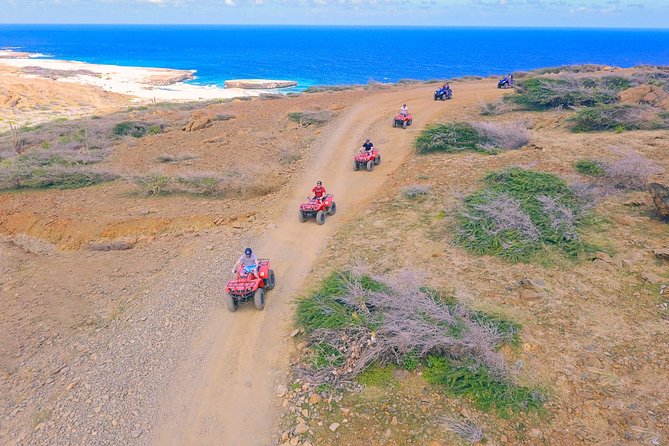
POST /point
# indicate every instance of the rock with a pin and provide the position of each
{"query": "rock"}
(281, 391)
(645, 94)
(529, 295)
(294, 441)
(301, 429)
(197, 121)
(294, 332)
(334, 427)
(651, 278)
(533, 284)
(604, 257)
(600, 264)
(394, 421)
(661, 253)
(660, 195)
(535, 433)
(258, 83)
(135, 433)
(315, 399)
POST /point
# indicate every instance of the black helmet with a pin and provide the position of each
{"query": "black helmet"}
(248, 251)
(367, 140)
(319, 183)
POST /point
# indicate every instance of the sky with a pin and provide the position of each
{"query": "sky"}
(516, 13)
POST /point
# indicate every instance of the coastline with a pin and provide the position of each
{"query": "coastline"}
(140, 83)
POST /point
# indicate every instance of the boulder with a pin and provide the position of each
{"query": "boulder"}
(258, 83)
(660, 196)
(645, 95)
(198, 121)
(661, 253)
(603, 265)
(651, 277)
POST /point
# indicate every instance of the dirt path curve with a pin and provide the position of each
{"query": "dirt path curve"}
(225, 391)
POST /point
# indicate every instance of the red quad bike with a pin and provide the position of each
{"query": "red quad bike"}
(402, 121)
(369, 159)
(248, 286)
(317, 208)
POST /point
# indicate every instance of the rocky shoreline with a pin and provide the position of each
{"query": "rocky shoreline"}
(260, 84)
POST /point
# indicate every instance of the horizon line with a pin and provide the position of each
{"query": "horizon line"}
(347, 26)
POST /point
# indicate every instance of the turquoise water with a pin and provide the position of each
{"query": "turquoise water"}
(338, 55)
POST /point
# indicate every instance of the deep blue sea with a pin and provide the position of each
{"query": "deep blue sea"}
(338, 55)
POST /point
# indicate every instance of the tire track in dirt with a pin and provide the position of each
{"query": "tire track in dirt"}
(224, 393)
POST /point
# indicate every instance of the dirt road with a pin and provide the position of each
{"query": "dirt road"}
(224, 393)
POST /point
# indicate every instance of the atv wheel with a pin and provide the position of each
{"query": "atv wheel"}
(231, 303)
(271, 280)
(370, 165)
(320, 217)
(259, 299)
(395, 123)
(404, 124)
(356, 166)
(377, 161)
(333, 208)
(302, 217)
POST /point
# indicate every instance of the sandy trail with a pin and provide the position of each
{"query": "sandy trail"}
(225, 391)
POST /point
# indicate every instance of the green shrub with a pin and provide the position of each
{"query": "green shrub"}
(322, 309)
(127, 128)
(56, 177)
(540, 93)
(617, 118)
(449, 137)
(589, 167)
(518, 213)
(306, 118)
(363, 329)
(487, 391)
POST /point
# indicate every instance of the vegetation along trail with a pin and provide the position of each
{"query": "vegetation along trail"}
(223, 392)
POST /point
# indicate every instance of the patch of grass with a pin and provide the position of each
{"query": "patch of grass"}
(589, 167)
(135, 129)
(518, 213)
(416, 191)
(542, 93)
(378, 376)
(306, 118)
(618, 118)
(486, 391)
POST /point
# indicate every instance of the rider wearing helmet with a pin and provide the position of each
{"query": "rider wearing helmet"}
(248, 263)
(368, 146)
(319, 190)
(404, 111)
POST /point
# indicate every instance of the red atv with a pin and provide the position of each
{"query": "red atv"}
(248, 286)
(403, 121)
(367, 158)
(316, 207)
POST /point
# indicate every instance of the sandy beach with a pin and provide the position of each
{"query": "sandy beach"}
(140, 83)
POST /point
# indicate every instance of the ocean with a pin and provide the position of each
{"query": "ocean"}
(338, 55)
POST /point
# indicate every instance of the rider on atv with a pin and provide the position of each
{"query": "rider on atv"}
(404, 111)
(319, 190)
(368, 146)
(247, 263)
